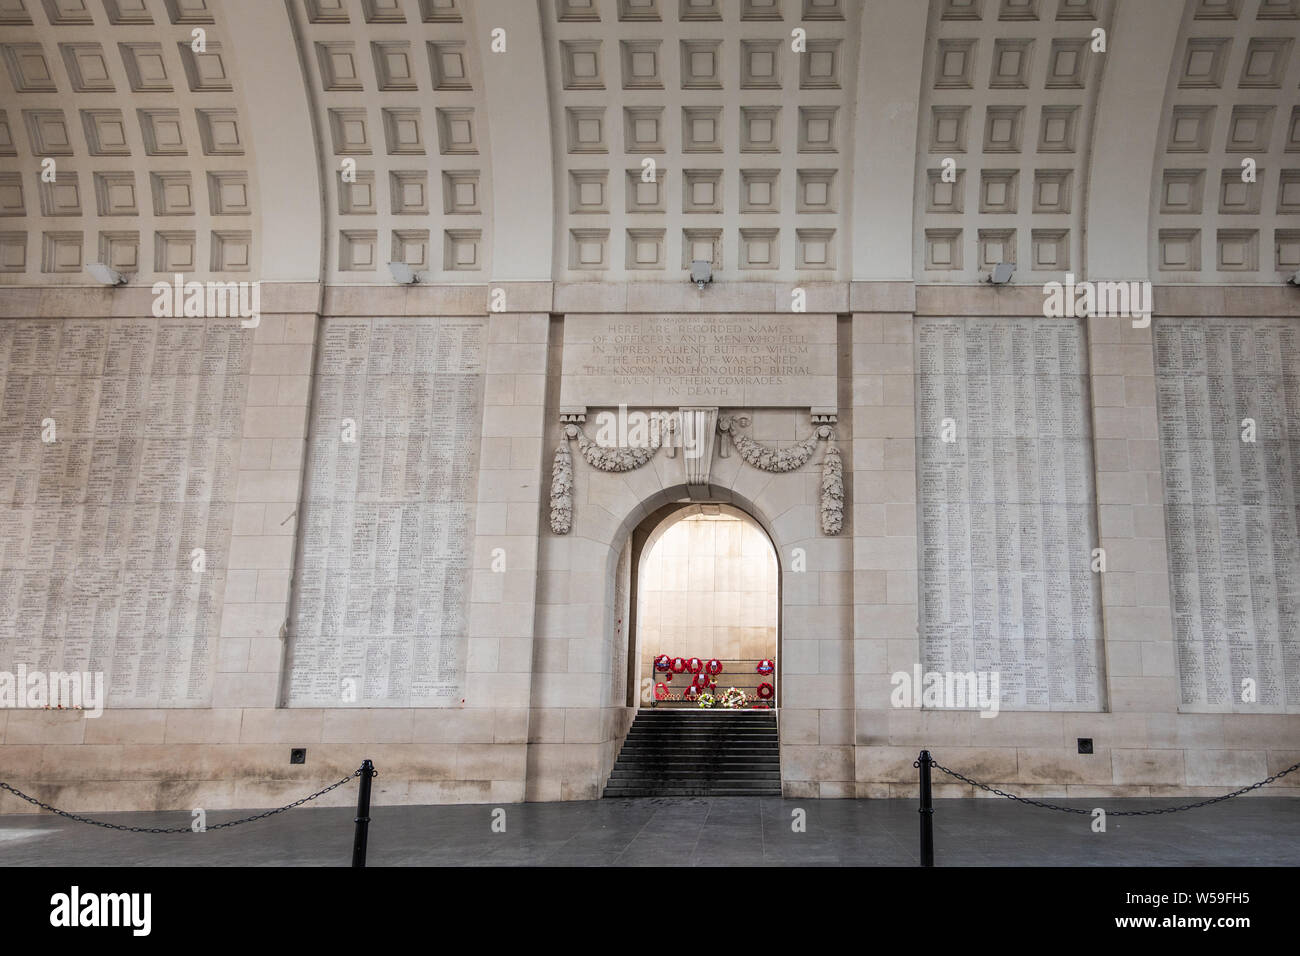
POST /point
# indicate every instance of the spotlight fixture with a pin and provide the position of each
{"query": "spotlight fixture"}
(1294, 280)
(102, 273)
(1002, 273)
(701, 272)
(404, 274)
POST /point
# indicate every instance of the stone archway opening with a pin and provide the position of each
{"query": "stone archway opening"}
(700, 580)
(707, 587)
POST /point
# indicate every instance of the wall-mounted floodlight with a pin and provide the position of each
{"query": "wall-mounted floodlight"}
(1002, 273)
(701, 272)
(1295, 279)
(102, 273)
(403, 274)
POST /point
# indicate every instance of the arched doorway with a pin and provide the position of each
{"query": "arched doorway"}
(701, 581)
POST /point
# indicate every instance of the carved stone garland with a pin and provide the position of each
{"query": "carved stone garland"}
(832, 490)
(562, 490)
(617, 459)
(780, 460)
(770, 459)
(776, 460)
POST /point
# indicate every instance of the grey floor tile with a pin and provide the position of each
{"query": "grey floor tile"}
(674, 832)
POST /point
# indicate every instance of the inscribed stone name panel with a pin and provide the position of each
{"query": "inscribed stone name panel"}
(383, 573)
(101, 517)
(1006, 516)
(1228, 393)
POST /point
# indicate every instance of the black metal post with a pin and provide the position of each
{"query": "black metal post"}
(926, 811)
(363, 814)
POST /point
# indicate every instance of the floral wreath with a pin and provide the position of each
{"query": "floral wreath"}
(707, 700)
(765, 667)
(732, 698)
(663, 663)
(679, 664)
(661, 691)
(691, 693)
(765, 691)
(714, 666)
(695, 665)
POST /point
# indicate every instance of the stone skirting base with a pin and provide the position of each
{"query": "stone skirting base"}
(184, 776)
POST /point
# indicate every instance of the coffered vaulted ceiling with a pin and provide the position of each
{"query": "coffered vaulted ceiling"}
(619, 140)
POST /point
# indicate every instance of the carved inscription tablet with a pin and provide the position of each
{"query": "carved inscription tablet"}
(782, 361)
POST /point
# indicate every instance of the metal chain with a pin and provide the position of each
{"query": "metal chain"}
(217, 826)
(1109, 813)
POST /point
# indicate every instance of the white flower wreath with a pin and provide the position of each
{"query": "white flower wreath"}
(733, 698)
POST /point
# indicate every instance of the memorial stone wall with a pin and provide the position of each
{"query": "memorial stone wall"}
(1007, 521)
(388, 515)
(117, 486)
(1229, 398)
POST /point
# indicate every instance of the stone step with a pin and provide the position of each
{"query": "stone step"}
(663, 757)
(704, 740)
(688, 713)
(704, 718)
(700, 768)
(701, 753)
(708, 726)
(680, 770)
(698, 781)
(693, 720)
(671, 791)
(717, 733)
(719, 747)
(730, 783)
(701, 713)
(698, 752)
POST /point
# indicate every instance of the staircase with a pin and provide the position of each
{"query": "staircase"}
(698, 753)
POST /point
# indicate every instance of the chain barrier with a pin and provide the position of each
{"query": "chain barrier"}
(1109, 813)
(216, 826)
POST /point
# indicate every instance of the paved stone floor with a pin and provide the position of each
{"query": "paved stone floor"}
(1251, 831)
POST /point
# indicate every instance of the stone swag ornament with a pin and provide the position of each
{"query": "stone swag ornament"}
(613, 460)
(776, 460)
(793, 457)
(626, 458)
